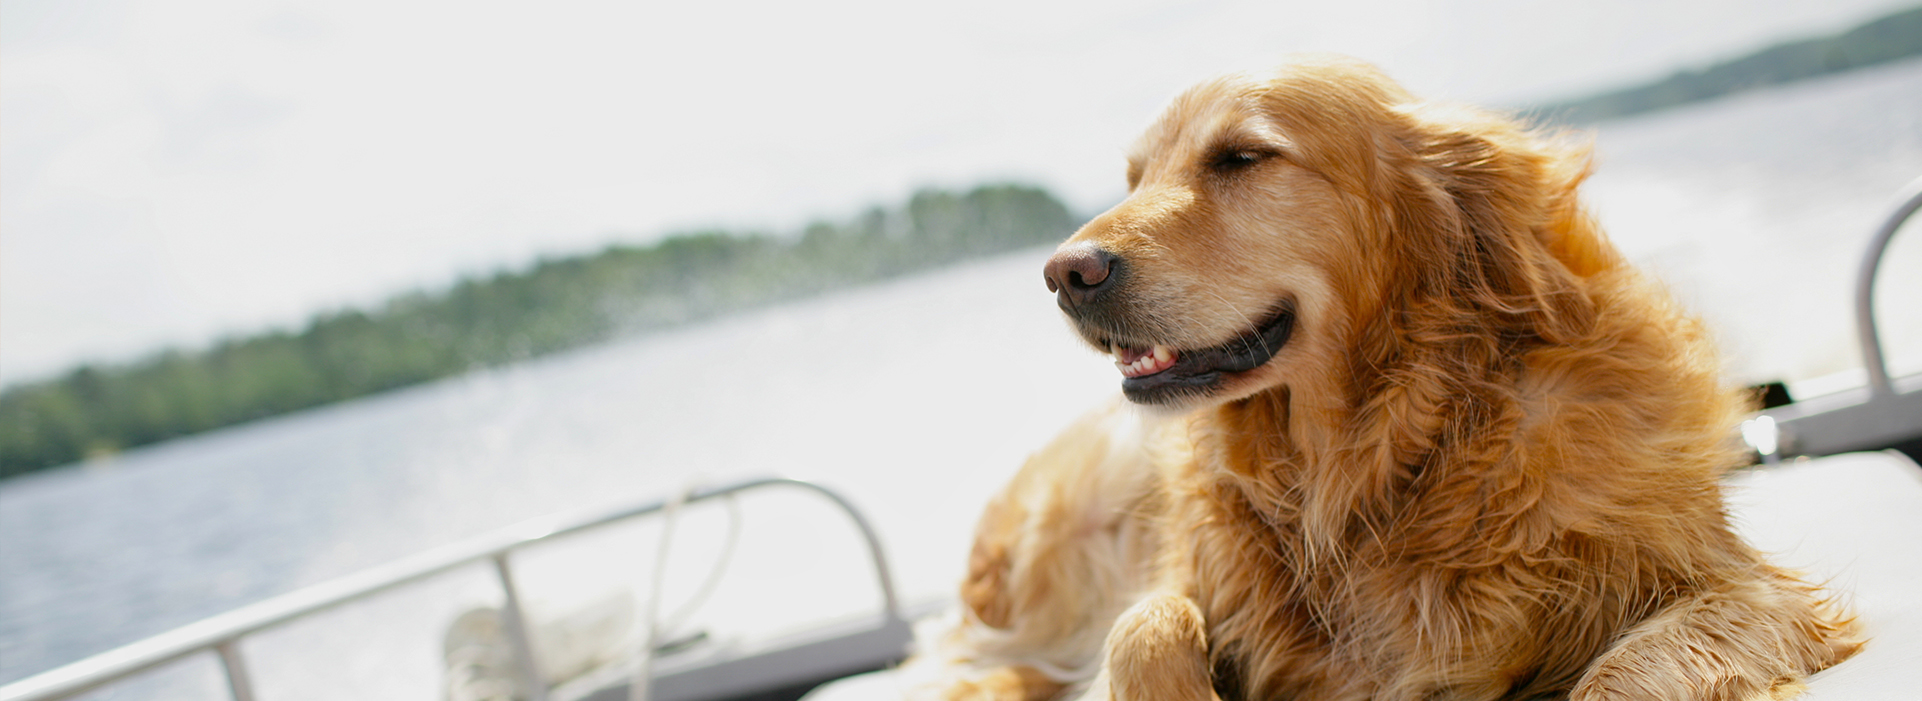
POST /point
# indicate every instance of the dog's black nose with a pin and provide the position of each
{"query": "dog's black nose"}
(1078, 274)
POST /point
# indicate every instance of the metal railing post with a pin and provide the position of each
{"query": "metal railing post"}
(514, 624)
(890, 603)
(238, 680)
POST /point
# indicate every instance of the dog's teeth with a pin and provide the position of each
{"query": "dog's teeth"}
(1146, 362)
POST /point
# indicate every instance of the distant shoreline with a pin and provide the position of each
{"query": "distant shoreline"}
(1889, 38)
(555, 304)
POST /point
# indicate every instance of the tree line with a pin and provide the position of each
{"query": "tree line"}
(1890, 38)
(554, 304)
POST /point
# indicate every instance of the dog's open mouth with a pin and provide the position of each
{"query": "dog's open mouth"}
(1156, 374)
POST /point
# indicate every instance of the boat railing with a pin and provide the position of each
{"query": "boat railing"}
(1865, 327)
(1880, 414)
(223, 633)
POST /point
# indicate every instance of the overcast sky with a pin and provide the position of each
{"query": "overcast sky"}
(176, 170)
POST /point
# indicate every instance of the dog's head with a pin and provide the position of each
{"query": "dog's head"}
(1273, 220)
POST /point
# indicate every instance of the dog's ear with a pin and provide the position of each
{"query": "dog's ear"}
(1485, 254)
(1497, 233)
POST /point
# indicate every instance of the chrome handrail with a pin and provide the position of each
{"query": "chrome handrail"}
(1865, 327)
(223, 633)
(1877, 416)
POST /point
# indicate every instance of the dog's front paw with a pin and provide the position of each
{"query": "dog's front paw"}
(1615, 682)
(1158, 651)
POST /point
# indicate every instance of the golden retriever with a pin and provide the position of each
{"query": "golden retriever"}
(1413, 430)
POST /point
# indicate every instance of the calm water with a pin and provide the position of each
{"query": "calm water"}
(916, 397)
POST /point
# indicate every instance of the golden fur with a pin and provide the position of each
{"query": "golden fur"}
(1484, 465)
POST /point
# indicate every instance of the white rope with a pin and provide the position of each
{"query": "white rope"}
(640, 685)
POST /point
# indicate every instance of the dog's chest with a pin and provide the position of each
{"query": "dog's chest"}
(1288, 619)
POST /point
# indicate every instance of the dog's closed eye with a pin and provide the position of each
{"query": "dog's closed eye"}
(1235, 159)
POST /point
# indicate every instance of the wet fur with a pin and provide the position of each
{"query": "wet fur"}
(1485, 467)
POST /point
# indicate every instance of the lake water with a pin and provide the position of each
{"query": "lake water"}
(916, 397)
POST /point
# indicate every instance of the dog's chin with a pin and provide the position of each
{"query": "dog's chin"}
(1169, 377)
